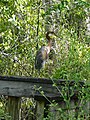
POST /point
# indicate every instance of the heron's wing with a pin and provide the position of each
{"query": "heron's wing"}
(40, 58)
(44, 52)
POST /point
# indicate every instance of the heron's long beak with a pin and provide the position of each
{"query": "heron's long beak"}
(56, 35)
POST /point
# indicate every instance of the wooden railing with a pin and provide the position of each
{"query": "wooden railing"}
(42, 90)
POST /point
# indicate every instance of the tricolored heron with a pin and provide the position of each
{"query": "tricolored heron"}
(43, 53)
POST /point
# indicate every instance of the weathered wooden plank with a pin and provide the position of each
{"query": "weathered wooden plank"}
(33, 87)
(26, 89)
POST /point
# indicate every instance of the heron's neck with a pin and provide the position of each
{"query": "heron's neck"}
(49, 43)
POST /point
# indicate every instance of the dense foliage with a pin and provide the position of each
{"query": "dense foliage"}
(23, 30)
(23, 24)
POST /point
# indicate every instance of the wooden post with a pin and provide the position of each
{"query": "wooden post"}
(40, 110)
(13, 107)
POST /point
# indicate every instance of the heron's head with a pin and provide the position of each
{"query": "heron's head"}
(50, 35)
